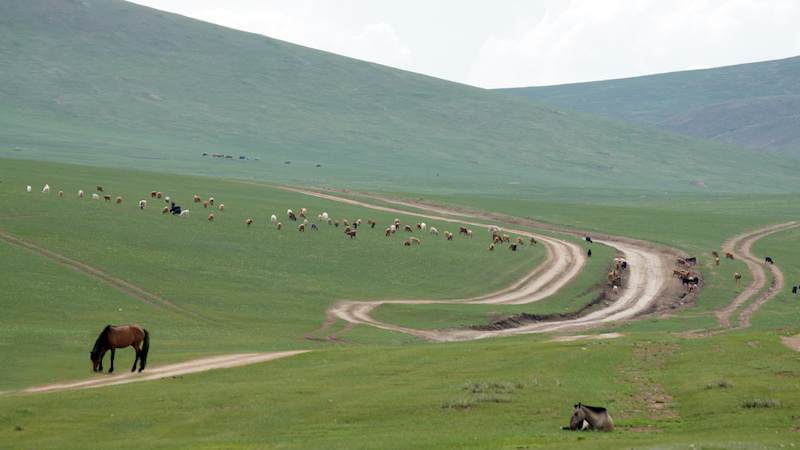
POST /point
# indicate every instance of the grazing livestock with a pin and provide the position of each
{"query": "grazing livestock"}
(388, 231)
(60, 193)
(221, 206)
(165, 210)
(352, 234)
(205, 204)
(691, 260)
(273, 218)
(292, 216)
(279, 225)
(80, 193)
(249, 222)
(372, 225)
(491, 247)
(393, 228)
(345, 223)
(211, 201)
(414, 240)
(347, 230)
(325, 216)
(314, 227)
(462, 230)
(423, 227)
(494, 229)
(407, 228)
(794, 289)
(30, 189)
(615, 289)
(301, 227)
(142, 204)
(520, 241)
(728, 255)
(153, 194)
(167, 199)
(496, 239)
(107, 197)
(100, 188)
(588, 239)
(434, 231)
(303, 212)
(589, 253)
(512, 247)
(46, 189)
(119, 200)
(768, 260)
(336, 224)
(717, 261)
(737, 277)
(158, 194)
(714, 253)
(112, 338)
(329, 221)
(407, 243)
(196, 199)
(449, 235)
(680, 262)
(533, 240)
(184, 213)
(210, 217)
(469, 233)
(175, 209)
(506, 238)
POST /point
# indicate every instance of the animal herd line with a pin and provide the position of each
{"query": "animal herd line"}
(301, 218)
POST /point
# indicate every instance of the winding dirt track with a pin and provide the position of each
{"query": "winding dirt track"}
(648, 282)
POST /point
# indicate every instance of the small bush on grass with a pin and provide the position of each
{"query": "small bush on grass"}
(759, 403)
(718, 384)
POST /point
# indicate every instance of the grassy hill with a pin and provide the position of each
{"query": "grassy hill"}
(750, 105)
(113, 84)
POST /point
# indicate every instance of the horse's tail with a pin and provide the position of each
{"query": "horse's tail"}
(145, 349)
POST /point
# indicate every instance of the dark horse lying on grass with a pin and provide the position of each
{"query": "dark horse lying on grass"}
(112, 338)
(590, 418)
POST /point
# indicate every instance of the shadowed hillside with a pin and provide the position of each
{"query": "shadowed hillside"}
(755, 106)
(110, 83)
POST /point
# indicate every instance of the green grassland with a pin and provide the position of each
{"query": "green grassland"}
(259, 289)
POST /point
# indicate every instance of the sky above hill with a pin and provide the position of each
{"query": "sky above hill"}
(519, 43)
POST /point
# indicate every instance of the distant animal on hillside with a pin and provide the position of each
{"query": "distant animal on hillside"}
(46, 189)
(794, 289)
(119, 200)
(107, 197)
(728, 255)
(184, 213)
(714, 253)
(249, 222)
(175, 209)
(414, 240)
(30, 189)
(768, 260)
(589, 253)
(588, 239)
(80, 193)
(691, 260)
(210, 217)
(100, 188)
(142, 204)
(736, 277)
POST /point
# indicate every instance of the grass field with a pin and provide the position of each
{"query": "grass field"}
(236, 289)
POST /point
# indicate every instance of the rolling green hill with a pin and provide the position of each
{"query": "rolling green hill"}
(113, 84)
(750, 105)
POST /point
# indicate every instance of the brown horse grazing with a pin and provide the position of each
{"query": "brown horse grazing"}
(590, 418)
(112, 338)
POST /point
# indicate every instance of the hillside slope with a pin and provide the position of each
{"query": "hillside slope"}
(755, 105)
(110, 83)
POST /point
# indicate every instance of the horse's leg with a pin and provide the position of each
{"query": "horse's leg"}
(135, 347)
(102, 355)
(113, 350)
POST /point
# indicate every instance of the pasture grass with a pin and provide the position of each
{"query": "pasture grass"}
(257, 289)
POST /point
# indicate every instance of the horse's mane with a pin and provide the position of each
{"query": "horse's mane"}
(101, 342)
(596, 409)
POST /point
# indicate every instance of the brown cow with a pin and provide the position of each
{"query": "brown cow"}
(728, 255)
(714, 253)
(100, 188)
(462, 230)
(717, 261)
(210, 217)
(736, 277)
(153, 194)
(119, 200)
(196, 199)
(107, 197)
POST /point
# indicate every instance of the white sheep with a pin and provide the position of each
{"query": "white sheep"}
(184, 213)
(46, 189)
(422, 226)
(142, 204)
(30, 189)
(80, 193)
(325, 216)
(95, 197)
(393, 228)
(166, 199)
(274, 218)
(434, 231)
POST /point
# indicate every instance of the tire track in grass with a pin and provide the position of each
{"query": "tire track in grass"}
(97, 274)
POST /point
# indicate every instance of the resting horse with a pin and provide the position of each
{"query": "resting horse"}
(590, 418)
(112, 338)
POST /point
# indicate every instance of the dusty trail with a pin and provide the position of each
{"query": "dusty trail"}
(740, 246)
(165, 371)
